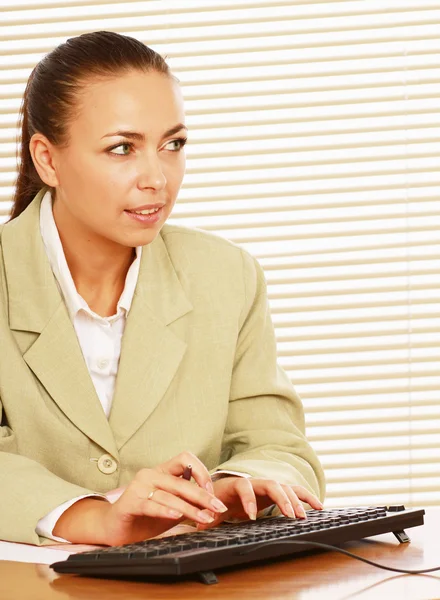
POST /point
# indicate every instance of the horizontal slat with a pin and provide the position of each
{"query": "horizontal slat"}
(407, 271)
(329, 437)
(397, 388)
(361, 347)
(411, 473)
(349, 262)
(247, 26)
(288, 19)
(403, 407)
(275, 310)
(410, 286)
(15, 15)
(207, 15)
(373, 417)
(415, 442)
(155, 6)
(423, 31)
(357, 320)
(296, 221)
(349, 364)
(384, 246)
(390, 462)
(407, 461)
(300, 310)
(415, 56)
(273, 237)
(356, 492)
(410, 499)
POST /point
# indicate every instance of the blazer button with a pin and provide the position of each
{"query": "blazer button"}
(107, 465)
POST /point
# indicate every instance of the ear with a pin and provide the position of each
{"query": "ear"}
(43, 154)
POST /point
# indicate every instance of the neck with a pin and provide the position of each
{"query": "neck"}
(98, 266)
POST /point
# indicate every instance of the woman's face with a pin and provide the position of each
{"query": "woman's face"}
(119, 176)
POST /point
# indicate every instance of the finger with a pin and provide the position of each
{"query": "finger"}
(245, 491)
(176, 466)
(151, 508)
(307, 496)
(276, 492)
(295, 502)
(180, 506)
(217, 519)
(191, 494)
(127, 508)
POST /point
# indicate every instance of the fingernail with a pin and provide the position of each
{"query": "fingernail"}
(302, 512)
(204, 517)
(210, 487)
(218, 505)
(175, 514)
(252, 510)
(289, 510)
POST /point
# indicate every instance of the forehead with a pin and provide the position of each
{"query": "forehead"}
(147, 102)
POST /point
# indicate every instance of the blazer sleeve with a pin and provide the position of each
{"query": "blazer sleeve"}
(29, 491)
(265, 431)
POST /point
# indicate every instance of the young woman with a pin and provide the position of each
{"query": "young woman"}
(130, 348)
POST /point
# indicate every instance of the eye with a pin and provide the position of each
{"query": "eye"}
(178, 144)
(125, 147)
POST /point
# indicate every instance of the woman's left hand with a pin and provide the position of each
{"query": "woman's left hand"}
(245, 497)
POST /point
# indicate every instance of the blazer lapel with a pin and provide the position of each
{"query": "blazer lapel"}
(151, 353)
(35, 305)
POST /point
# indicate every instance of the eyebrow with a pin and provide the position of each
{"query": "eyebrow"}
(134, 135)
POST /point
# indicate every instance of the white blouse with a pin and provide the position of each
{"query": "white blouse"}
(99, 337)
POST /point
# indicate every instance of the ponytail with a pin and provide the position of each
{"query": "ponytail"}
(28, 181)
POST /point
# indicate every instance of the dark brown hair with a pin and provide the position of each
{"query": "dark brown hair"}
(51, 96)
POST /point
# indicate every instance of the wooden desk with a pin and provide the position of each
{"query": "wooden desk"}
(326, 575)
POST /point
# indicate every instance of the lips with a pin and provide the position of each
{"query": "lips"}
(146, 207)
(147, 215)
(146, 211)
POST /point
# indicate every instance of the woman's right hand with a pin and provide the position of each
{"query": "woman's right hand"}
(134, 516)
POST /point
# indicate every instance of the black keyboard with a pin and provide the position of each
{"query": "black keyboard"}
(239, 543)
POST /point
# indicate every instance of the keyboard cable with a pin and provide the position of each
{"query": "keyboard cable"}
(336, 549)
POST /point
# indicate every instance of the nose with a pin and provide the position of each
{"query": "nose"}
(151, 175)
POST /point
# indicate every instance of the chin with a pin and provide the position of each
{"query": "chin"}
(144, 238)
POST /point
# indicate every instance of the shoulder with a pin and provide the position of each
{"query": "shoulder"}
(196, 238)
(199, 250)
(212, 267)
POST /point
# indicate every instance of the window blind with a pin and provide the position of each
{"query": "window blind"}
(314, 142)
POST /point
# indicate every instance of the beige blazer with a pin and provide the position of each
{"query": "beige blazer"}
(197, 372)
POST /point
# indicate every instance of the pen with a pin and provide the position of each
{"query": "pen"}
(187, 472)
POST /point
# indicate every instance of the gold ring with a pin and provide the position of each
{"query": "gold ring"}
(150, 495)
